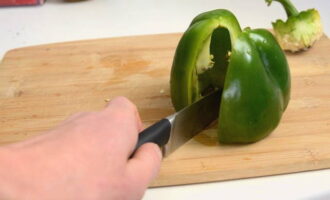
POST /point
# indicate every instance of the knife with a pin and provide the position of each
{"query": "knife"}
(176, 129)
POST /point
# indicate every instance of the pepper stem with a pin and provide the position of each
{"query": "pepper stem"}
(290, 9)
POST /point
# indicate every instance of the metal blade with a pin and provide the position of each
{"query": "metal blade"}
(191, 120)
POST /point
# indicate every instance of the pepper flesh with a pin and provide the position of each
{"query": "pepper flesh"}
(185, 86)
(248, 66)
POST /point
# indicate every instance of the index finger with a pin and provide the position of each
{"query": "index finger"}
(125, 121)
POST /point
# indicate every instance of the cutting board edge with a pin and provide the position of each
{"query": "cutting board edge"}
(212, 180)
(10, 51)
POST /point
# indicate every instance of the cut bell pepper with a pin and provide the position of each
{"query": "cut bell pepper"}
(248, 66)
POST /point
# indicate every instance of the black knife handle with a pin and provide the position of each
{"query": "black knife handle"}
(158, 133)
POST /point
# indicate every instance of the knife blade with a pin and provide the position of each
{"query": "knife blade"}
(175, 130)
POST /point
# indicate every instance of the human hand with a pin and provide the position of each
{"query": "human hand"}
(86, 157)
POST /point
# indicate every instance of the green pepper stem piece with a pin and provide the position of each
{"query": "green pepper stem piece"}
(290, 9)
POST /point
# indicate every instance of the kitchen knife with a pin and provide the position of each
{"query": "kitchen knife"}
(175, 130)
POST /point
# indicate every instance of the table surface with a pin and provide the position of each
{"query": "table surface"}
(58, 21)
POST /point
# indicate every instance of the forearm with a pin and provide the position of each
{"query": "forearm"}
(25, 169)
(21, 173)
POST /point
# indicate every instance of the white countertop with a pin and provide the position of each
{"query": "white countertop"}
(57, 21)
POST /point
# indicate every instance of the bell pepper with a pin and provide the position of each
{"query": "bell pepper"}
(300, 31)
(248, 66)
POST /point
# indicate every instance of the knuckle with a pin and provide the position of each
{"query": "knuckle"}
(123, 112)
(86, 117)
(125, 102)
(76, 116)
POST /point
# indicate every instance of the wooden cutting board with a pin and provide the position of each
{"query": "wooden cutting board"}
(42, 85)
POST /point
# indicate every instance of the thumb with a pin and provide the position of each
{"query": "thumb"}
(144, 166)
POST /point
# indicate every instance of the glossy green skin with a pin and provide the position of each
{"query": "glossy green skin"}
(256, 90)
(255, 79)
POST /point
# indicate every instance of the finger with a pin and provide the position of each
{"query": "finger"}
(145, 164)
(125, 117)
(125, 104)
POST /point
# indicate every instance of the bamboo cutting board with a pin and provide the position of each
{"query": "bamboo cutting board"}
(41, 86)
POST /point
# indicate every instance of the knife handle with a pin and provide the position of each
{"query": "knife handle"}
(158, 133)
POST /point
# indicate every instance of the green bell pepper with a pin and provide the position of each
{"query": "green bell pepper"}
(248, 66)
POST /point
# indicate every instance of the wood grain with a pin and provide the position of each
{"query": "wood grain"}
(42, 85)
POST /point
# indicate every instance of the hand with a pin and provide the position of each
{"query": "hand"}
(86, 157)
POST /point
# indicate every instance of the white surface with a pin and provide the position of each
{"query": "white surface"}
(57, 21)
(312, 185)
